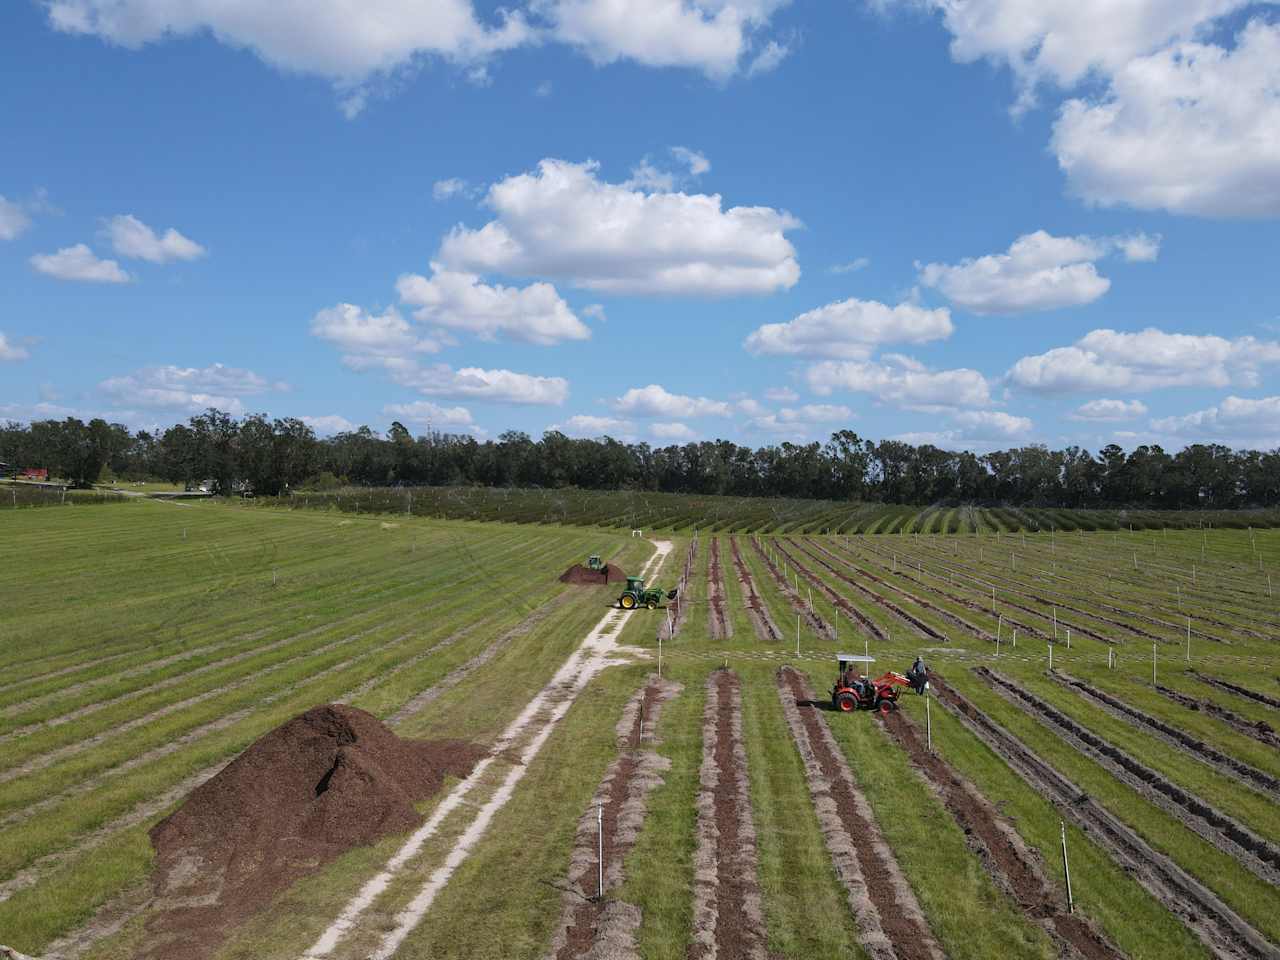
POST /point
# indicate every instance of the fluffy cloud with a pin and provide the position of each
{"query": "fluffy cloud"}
(902, 382)
(1147, 360)
(13, 219)
(424, 412)
(329, 424)
(563, 222)
(130, 237)
(1254, 423)
(672, 431)
(79, 263)
(1192, 129)
(713, 36)
(473, 383)
(1059, 41)
(350, 44)
(360, 333)
(11, 351)
(799, 421)
(696, 161)
(656, 401)
(459, 301)
(1110, 411)
(974, 429)
(849, 329)
(1039, 272)
(781, 395)
(188, 389)
(590, 425)
(447, 189)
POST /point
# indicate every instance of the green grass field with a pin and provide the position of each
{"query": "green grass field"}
(145, 644)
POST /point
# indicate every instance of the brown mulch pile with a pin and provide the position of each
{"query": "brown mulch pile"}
(580, 575)
(328, 780)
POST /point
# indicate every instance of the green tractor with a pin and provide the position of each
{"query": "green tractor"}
(635, 595)
(595, 564)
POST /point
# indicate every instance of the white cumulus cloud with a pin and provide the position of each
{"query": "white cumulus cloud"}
(563, 222)
(450, 188)
(1149, 359)
(424, 412)
(79, 263)
(130, 237)
(13, 219)
(850, 328)
(1039, 272)
(781, 395)
(352, 44)
(188, 389)
(656, 401)
(1110, 411)
(11, 351)
(474, 383)
(713, 36)
(329, 424)
(460, 301)
(1192, 129)
(359, 332)
(672, 431)
(901, 382)
(592, 425)
(1248, 422)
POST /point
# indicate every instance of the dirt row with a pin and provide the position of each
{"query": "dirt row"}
(816, 623)
(1259, 730)
(1253, 852)
(829, 560)
(728, 916)
(1197, 749)
(1016, 868)
(591, 924)
(1238, 690)
(761, 619)
(841, 604)
(891, 925)
(1223, 932)
(721, 625)
(669, 627)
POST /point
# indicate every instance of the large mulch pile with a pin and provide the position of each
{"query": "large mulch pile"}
(578, 574)
(326, 781)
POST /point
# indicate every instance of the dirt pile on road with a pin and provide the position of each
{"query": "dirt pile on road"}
(580, 575)
(330, 779)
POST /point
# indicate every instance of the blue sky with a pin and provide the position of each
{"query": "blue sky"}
(977, 223)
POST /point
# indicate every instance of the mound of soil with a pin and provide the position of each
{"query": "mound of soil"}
(326, 781)
(578, 574)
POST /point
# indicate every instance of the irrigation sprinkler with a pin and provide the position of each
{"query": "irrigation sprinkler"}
(1066, 869)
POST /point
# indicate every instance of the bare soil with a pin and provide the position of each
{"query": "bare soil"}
(843, 605)
(1259, 730)
(798, 603)
(728, 917)
(581, 576)
(330, 779)
(721, 626)
(891, 923)
(1238, 690)
(761, 619)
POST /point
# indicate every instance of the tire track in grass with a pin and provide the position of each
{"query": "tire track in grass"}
(526, 734)
(1224, 932)
(1259, 730)
(761, 619)
(1004, 854)
(721, 625)
(590, 924)
(1259, 856)
(728, 914)
(1196, 749)
(891, 925)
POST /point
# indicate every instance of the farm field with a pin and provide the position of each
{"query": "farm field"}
(684, 513)
(144, 645)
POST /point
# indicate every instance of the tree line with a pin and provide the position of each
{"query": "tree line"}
(267, 457)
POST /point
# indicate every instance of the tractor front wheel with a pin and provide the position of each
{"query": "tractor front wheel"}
(887, 707)
(846, 702)
(652, 604)
(627, 602)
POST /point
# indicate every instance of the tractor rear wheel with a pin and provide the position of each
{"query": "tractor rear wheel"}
(627, 602)
(846, 702)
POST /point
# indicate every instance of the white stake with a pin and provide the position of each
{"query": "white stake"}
(1055, 623)
(659, 657)
(1066, 869)
(1051, 658)
(1068, 638)
(1188, 639)
(797, 634)
(600, 851)
(866, 647)
(928, 722)
(1015, 638)
(993, 599)
(1153, 663)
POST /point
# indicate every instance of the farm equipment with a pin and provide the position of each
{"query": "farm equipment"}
(636, 595)
(595, 564)
(853, 691)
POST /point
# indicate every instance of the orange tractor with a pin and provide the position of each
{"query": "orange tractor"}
(854, 691)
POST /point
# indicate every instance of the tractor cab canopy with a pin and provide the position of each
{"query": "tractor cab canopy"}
(847, 660)
(635, 583)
